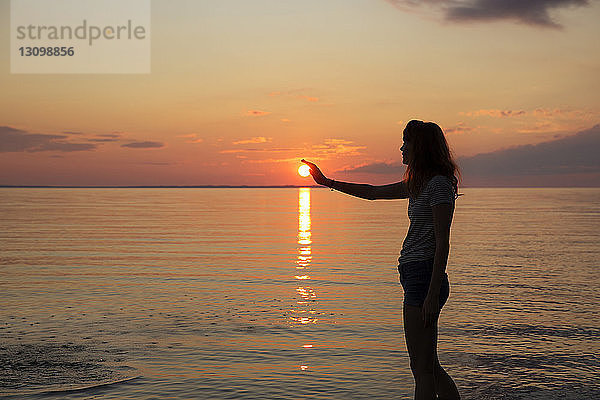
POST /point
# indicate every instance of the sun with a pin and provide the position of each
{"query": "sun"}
(304, 170)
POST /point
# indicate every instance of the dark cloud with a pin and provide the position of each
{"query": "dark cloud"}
(257, 113)
(144, 145)
(568, 155)
(103, 140)
(530, 12)
(109, 135)
(17, 140)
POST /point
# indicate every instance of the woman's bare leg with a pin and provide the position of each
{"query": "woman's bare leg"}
(430, 378)
(421, 343)
(444, 385)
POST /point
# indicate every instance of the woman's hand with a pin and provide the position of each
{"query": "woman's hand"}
(431, 309)
(317, 174)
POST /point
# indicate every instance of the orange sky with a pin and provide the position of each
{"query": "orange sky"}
(240, 91)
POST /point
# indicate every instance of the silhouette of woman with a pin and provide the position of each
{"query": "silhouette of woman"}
(431, 186)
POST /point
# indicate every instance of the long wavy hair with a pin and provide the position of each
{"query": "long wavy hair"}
(429, 156)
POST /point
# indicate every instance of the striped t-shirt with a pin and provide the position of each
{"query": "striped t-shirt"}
(419, 244)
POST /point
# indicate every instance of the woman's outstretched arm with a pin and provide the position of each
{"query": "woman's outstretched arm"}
(396, 190)
(371, 192)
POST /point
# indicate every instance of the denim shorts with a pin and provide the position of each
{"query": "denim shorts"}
(415, 277)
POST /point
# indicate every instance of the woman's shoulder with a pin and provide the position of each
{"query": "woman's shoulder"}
(438, 180)
(440, 189)
(434, 185)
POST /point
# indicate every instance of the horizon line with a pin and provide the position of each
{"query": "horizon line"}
(156, 186)
(242, 186)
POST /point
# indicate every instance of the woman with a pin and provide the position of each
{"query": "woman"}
(431, 186)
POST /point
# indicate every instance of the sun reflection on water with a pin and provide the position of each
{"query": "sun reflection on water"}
(304, 313)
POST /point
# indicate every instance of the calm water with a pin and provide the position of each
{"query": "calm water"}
(288, 294)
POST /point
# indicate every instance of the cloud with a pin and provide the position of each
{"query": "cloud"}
(272, 150)
(103, 140)
(494, 113)
(529, 12)
(272, 160)
(257, 113)
(17, 140)
(232, 151)
(337, 147)
(254, 140)
(567, 155)
(143, 145)
(309, 98)
(377, 168)
(538, 112)
(458, 129)
(192, 138)
(543, 126)
(541, 120)
(563, 113)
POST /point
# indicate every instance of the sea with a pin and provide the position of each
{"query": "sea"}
(289, 293)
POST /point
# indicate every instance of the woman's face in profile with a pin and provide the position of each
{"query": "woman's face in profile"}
(405, 149)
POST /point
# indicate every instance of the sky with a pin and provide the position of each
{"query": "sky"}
(240, 91)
